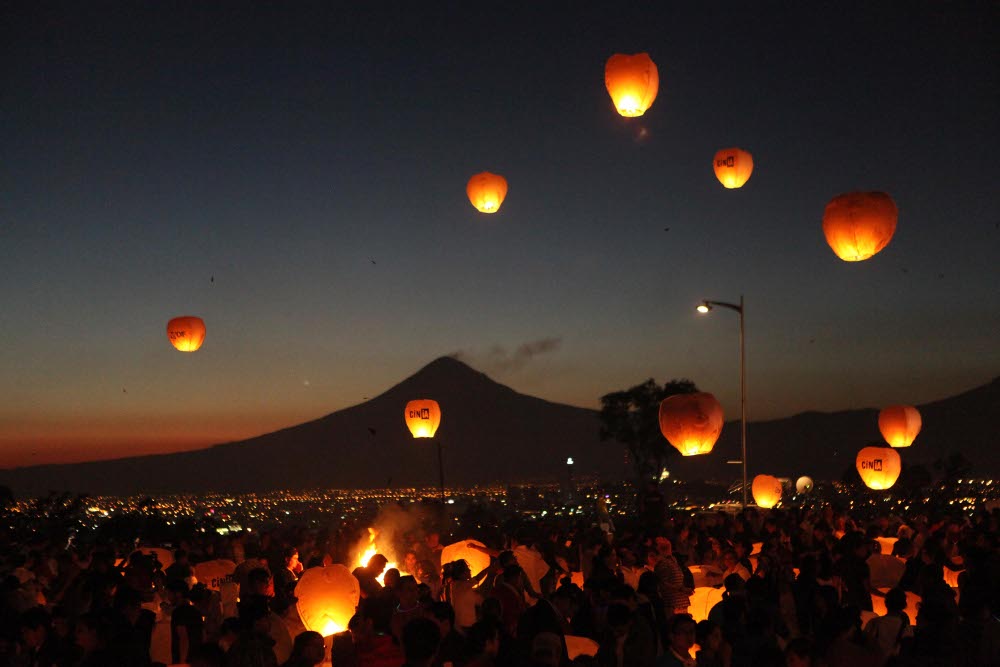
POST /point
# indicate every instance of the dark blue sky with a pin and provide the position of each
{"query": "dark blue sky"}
(248, 164)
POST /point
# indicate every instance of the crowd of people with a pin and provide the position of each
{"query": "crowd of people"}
(795, 587)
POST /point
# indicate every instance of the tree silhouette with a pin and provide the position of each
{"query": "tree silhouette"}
(631, 417)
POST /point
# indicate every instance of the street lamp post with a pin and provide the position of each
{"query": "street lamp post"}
(705, 307)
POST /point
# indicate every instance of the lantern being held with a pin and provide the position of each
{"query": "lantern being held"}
(476, 559)
(486, 191)
(733, 167)
(766, 491)
(858, 225)
(423, 417)
(899, 424)
(879, 467)
(632, 82)
(691, 422)
(186, 333)
(327, 598)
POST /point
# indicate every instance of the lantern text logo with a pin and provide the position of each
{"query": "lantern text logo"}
(730, 161)
(422, 413)
(874, 464)
(174, 335)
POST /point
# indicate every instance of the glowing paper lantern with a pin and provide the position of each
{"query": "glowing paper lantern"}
(733, 167)
(804, 485)
(912, 603)
(477, 560)
(879, 467)
(691, 422)
(887, 544)
(486, 191)
(632, 82)
(576, 646)
(702, 601)
(327, 598)
(766, 490)
(215, 573)
(857, 225)
(186, 333)
(423, 417)
(899, 424)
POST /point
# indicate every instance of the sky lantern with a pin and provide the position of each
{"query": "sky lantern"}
(858, 225)
(733, 167)
(327, 598)
(691, 422)
(879, 467)
(899, 424)
(487, 191)
(804, 485)
(423, 417)
(215, 573)
(186, 333)
(477, 560)
(766, 491)
(632, 82)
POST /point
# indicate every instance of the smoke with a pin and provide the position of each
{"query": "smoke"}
(390, 526)
(501, 359)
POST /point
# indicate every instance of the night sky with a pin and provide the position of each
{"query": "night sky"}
(295, 174)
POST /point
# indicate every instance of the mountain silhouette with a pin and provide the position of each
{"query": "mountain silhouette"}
(491, 433)
(488, 431)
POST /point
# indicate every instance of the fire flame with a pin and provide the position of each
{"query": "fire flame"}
(372, 549)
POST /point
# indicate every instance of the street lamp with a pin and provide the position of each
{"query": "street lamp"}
(704, 307)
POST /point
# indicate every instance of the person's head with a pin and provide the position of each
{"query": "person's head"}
(681, 633)
(308, 648)
(708, 635)
(734, 584)
(512, 576)
(290, 557)
(649, 584)
(376, 565)
(729, 559)
(406, 591)
(176, 591)
(391, 578)
(259, 582)
(254, 614)
(664, 547)
(421, 637)
(895, 600)
(433, 540)
(410, 562)
(444, 614)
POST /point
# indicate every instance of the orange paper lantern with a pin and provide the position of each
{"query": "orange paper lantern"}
(733, 167)
(577, 646)
(327, 598)
(186, 333)
(632, 82)
(879, 467)
(477, 560)
(899, 424)
(215, 573)
(487, 191)
(766, 491)
(423, 417)
(858, 225)
(691, 422)
(803, 485)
